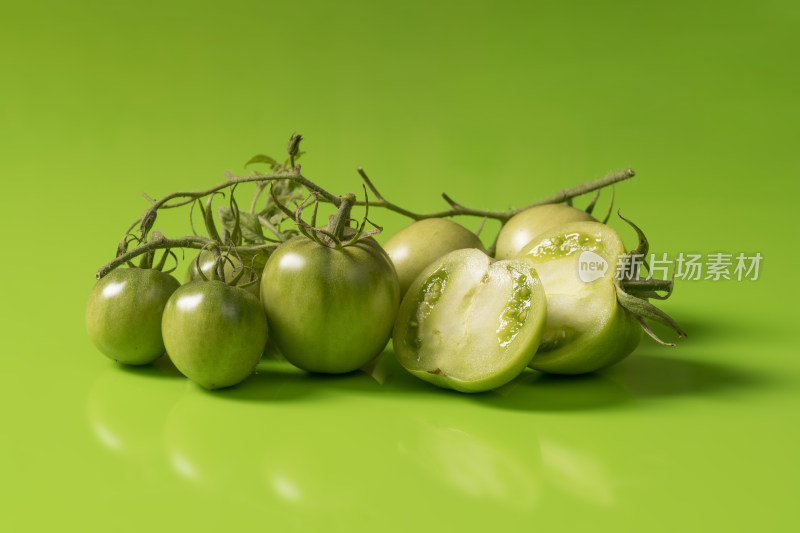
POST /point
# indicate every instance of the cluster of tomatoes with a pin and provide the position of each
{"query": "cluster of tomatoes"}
(473, 323)
(457, 317)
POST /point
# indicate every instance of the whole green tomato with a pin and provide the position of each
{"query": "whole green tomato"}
(587, 329)
(330, 310)
(523, 227)
(208, 264)
(123, 314)
(470, 323)
(423, 242)
(214, 333)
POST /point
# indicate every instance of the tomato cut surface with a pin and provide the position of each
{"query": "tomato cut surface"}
(470, 323)
(525, 226)
(586, 328)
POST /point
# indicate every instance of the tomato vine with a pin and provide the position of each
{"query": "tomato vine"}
(243, 230)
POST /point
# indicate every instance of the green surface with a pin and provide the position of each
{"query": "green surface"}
(497, 103)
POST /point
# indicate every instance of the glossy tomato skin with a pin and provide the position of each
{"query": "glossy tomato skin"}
(523, 227)
(330, 310)
(421, 243)
(208, 264)
(214, 333)
(617, 338)
(123, 314)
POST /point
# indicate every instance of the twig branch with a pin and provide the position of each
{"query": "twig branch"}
(178, 199)
(599, 183)
(189, 197)
(369, 183)
(503, 216)
(190, 241)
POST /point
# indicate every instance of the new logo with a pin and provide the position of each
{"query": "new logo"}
(591, 266)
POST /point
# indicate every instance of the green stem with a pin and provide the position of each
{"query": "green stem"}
(191, 241)
(340, 221)
(186, 242)
(191, 196)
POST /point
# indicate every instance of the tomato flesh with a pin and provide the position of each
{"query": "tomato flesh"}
(523, 227)
(470, 323)
(587, 329)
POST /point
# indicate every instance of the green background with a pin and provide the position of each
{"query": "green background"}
(498, 103)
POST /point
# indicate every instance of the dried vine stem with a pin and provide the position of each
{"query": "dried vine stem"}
(256, 177)
(198, 242)
(191, 241)
(503, 216)
(280, 172)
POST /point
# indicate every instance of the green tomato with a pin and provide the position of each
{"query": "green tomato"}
(214, 333)
(423, 242)
(523, 227)
(330, 310)
(208, 265)
(470, 323)
(587, 329)
(123, 315)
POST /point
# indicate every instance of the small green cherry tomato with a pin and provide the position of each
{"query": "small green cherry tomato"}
(587, 329)
(423, 242)
(330, 310)
(523, 227)
(208, 264)
(123, 315)
(214, 333)
(470, 323)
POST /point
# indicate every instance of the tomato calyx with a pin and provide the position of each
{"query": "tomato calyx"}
(633, 292)
(338, 233)
(239, 268)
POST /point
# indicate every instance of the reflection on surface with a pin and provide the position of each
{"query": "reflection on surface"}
(285, 488)
(480, 467)
(577, 472)
(323, 448)
(211, 442)
(127, 420)
(183, 466)
(331, 461)
(106, 436)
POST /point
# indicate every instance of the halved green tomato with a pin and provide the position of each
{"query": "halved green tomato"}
(470, 323)
(587, 329)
